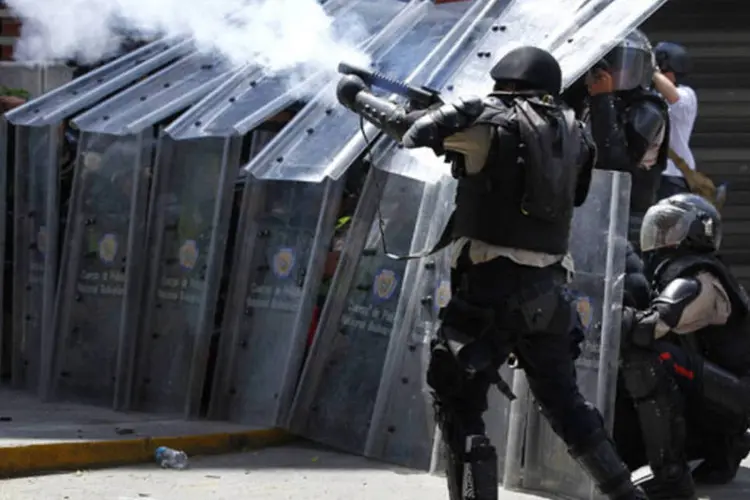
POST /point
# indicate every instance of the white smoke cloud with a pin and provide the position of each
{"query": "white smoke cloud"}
(291, 36)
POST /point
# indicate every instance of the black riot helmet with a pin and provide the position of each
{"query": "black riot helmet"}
(683, 221)
(671, 57)
(630, 63)
(528, 69)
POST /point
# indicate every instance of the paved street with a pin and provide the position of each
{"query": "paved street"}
(301, 472)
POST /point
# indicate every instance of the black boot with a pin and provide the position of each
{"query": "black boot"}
(480, 481)
(671, 483)
(722, 466)
(610, 475)
(472, 472)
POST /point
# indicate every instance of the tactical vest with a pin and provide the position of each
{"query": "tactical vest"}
(524, 195)
(726, 345)
(645, 183)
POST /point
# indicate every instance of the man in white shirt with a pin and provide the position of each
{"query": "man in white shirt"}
(673, 65)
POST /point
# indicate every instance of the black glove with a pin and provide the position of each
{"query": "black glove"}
(638, 328)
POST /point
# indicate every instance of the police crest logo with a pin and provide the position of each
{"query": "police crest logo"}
(283, 262)
(108, 248)
(385, 284)
(443, 294)
(585, 311)
(188, 254)
(41, 240)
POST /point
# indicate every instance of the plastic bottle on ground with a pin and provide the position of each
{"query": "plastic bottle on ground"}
(167, 458)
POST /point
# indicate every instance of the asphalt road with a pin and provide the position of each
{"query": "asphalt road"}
(301, 472)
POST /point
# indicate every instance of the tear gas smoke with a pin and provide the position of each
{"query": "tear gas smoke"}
(296, 38)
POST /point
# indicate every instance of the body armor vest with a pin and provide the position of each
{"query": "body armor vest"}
(524, 195)
(645, 183)
(725, 345)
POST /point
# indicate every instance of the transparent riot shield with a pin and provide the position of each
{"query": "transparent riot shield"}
(98, 306)
(37, 219)
(285, 238)
(598, 245)
(190, 217)
(99, 259)
(402, 422)
(339, 384)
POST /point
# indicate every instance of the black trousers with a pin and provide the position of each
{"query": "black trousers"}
(533, 317)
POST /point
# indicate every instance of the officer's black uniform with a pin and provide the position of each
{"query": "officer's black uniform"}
(537, 169)
(690, 392)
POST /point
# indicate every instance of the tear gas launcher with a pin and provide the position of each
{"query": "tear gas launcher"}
(354, 92)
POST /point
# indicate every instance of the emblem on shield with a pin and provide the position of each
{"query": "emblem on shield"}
(443, 294)
(585, 312)
(385, 284)
(108, 248)
(283, 262)
(41, 240)
(188, 254)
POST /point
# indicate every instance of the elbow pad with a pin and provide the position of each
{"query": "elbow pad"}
(675, 298)
(645, 124)
(432, 128)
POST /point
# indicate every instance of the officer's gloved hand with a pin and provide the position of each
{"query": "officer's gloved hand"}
(637, 328)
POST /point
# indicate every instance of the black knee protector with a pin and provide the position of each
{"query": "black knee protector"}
(659, 405)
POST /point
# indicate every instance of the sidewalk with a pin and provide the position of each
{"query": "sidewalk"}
(37, 437)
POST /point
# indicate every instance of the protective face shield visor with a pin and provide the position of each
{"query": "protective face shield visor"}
(665, 225)
(630, 67)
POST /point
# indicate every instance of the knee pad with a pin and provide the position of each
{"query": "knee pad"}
(644, 375)
(659, 406)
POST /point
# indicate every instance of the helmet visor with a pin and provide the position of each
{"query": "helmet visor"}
(664, 225)
(630, 67)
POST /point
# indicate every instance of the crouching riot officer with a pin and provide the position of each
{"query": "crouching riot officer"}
(523, 163)
(686, 358)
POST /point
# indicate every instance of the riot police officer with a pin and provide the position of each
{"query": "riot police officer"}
(686, 357)
(523, 163)
(629, 122)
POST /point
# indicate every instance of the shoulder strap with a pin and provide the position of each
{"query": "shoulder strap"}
(681, 164)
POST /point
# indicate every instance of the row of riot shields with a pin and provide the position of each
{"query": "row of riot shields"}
(155, 275)
(126, 222)
(38, 177)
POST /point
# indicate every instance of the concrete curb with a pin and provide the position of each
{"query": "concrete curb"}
(36, 458)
